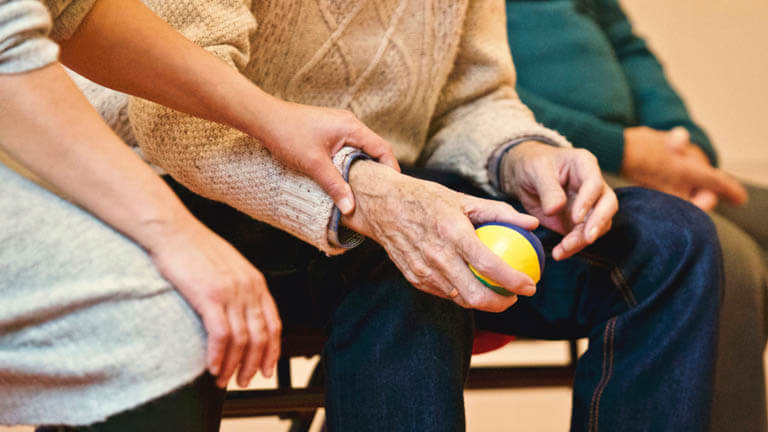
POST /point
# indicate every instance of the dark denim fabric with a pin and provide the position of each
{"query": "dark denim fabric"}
(647, 295)
(195, 407)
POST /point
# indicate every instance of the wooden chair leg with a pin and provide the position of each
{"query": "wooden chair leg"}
(303, 421)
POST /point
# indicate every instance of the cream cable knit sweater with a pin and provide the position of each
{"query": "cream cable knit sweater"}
(433, 77)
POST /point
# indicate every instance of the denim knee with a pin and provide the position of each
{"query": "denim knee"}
(666, 224)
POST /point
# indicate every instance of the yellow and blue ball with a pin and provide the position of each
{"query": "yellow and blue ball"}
(518, 247)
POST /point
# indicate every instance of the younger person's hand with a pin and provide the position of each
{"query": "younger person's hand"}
(306, 137)
(230, 295)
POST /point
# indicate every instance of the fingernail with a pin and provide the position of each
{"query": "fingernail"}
(214, 370)
(530, 290)
(345, 205)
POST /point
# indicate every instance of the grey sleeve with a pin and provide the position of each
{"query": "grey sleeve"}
(24, 41)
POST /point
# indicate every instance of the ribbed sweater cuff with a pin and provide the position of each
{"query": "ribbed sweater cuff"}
(494, 162)
(340, 236)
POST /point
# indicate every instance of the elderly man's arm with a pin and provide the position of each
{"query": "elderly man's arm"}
(259, 172)
(485, 132)
(427, 229)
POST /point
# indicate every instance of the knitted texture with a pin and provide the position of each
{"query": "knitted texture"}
(434, 78)
(26, 31)
(24, 43)
(83, 335)
(112, 106)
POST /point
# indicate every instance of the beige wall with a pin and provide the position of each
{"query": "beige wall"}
(716, 54)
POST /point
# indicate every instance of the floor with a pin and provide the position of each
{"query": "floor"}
(527, 410)
(732, 113)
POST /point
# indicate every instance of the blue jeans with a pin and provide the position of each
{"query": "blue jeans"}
(646, 294)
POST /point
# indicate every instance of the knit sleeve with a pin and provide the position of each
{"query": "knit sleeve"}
(221, 163)
(603, 138)
(24, 42)
(479, 110)
(657, 104)
(67, 16)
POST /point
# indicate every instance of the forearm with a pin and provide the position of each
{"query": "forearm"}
(146, 57)
(48, 126)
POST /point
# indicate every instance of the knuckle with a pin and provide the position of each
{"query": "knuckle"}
(275, 332)
(473, 298)
(219, 335)
(314, 161)
(259, 340)
(257, 279)
(420, 270)
(218, 291)
(483, 265)
(240, 338)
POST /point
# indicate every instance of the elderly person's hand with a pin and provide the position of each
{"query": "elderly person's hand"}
(428, 232)
(230, 295)
(668, 161)
(564, 189)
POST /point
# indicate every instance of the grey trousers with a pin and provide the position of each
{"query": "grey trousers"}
(740, 399)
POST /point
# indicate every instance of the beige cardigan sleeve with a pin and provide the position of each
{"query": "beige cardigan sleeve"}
(221, 163)
(479, 110)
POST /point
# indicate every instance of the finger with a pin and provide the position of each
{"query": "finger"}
(274, 334)
(217, 327)
(254, 350)
(572, 243)
(492, 267)
(677, 139)
(704, 199)
(599, 220)
(237, 322)
(482, 210)
(588, 195)
(454, 281)
(719, 182)
(330, 179)
(550, 192)
(374, 146)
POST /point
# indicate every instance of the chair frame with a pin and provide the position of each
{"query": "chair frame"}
(301, 403)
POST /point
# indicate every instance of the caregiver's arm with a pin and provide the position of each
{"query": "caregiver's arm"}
(144, 56)
(49, 127)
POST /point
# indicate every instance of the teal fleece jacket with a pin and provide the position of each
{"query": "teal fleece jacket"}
(583, 72)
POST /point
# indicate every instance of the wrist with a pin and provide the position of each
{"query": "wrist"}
(259, 117)
(507, 164)
(163, 228)
(369, 181)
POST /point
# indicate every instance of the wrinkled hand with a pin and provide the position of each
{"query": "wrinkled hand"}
(428, 232)
(669, 162)
(564, 189)
(230, 295)
(306, 137)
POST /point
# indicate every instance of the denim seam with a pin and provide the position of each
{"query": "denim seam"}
(608, 338)
(617, 277)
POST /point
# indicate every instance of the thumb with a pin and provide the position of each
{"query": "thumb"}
(677, 139)
(329, 178)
